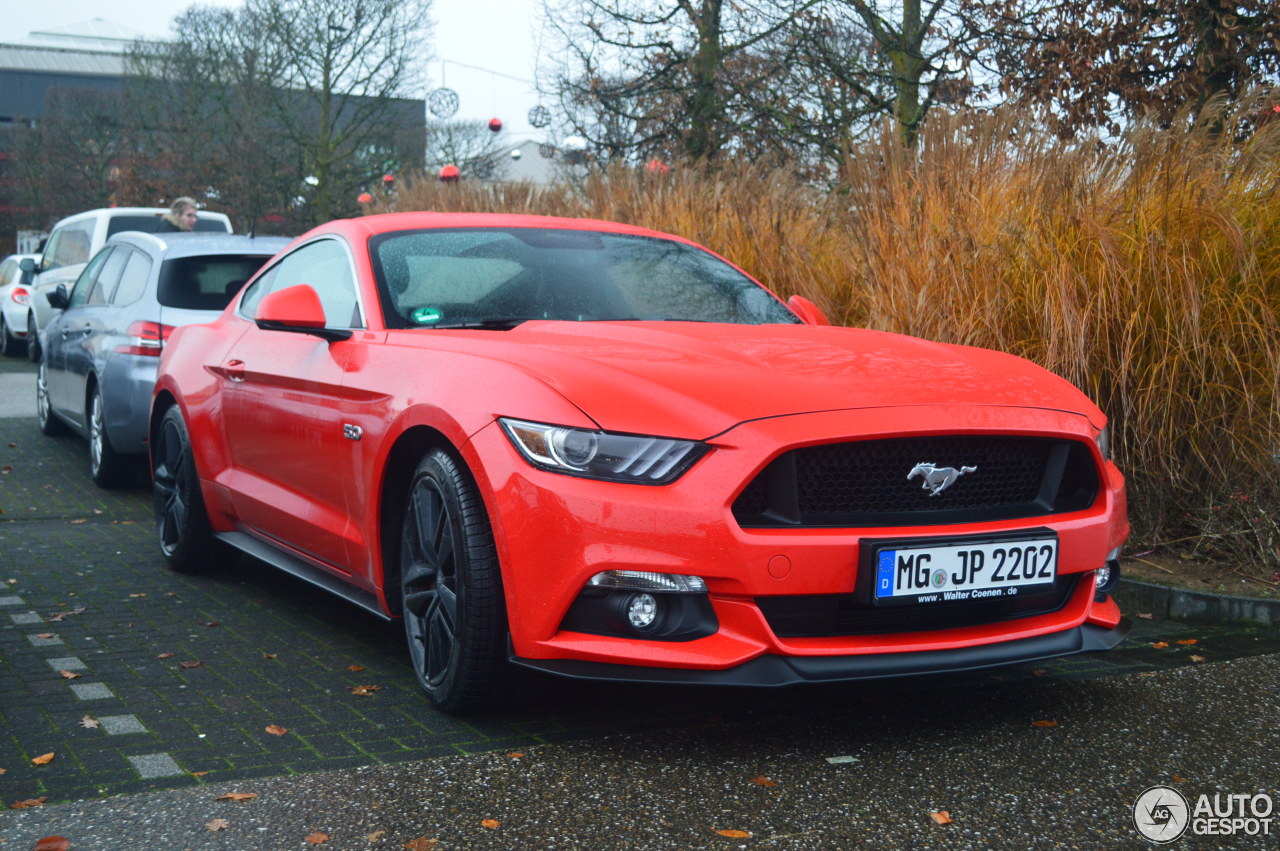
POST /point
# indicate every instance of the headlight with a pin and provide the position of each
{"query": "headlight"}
(635, 459)
(1104, 443)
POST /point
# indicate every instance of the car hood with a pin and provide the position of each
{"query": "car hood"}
(684, 379)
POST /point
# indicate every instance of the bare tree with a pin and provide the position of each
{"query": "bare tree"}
(469, 145)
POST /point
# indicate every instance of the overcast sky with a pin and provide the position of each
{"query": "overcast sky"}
(497, 36)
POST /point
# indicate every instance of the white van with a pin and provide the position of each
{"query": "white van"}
(77, 238)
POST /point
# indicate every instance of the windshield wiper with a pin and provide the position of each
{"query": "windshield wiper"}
(492, 323)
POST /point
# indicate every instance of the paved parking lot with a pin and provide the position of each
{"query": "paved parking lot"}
(137, 678)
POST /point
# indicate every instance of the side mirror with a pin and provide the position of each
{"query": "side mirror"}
(26, 264)
(296, 309)
(58, 297)
(809, 313)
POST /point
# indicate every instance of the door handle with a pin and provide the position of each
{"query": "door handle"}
(235, 370)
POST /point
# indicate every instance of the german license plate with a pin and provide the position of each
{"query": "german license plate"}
(958, 571)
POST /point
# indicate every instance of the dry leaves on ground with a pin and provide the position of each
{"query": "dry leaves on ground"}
(941, 816)
(217, 824)
(194, 663)
(69, 675)
(735, 834)
(764, 781)
(52, 843)
(237, 796)
(422, 844)
(364, 691)
(28, 803)
(90, 722)
(491, 823)
(276, 729)
(1044, 723)
(43, 759)
(317, 838)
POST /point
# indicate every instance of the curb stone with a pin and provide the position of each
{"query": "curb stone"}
(1180, 604)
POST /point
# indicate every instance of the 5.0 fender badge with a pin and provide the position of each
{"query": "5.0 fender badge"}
(937, 479)
(352, 432)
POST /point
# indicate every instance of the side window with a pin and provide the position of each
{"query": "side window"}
(107, 279)
(258, 290)
(133, 281)
(325, 267)
(70, 245)
(80, 292)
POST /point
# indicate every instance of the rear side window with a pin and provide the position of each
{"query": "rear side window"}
(133, 283)
(207, 282)
(105, 285)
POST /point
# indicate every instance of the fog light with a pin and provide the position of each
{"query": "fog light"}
(1107, 577)
(642, 611)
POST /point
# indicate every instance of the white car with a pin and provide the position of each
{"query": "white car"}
(15, 294)
(77, 238)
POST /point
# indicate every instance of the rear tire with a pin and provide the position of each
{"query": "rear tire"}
(454, 614)
(186, 539)
(10, 346)
(108, 468)
(49, 423)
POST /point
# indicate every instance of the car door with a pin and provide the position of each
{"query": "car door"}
(66, 337)
(85, 329)
(283, 405)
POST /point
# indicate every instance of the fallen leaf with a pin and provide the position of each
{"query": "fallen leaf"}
(1146, 674)
(90, 722)
(237, 796)
(735, 834)
(941, 817)
(199, 773)
(217, 824)
(270, 655)
(375, 836)
(1187, 642)
(1146, 616)
(4, 771)
(43, 759)
(194, 663)
(69, 675)
(1160, 645)
(171, 593)
(317, 838)
(1177, 779)
(52, 843)
(165, 655)
(1044, 723)
(11, 582)
(764, 781)
(78, 521)
(422, 844)
(515, 755)
(28, 803)
(45, 635)
(364, 691)
(276, 729)
(1039, 672)
(1195, 658)
(135, 596)
(213, 624)
(355, 668)
(491, 823)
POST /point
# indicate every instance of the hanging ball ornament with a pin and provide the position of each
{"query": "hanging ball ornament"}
(516, 154)
(365, 198)
(449, 173)
(546, 151)
(539, 116)
(657, 166)
(443, 103)
(495, 124)
(388, 179)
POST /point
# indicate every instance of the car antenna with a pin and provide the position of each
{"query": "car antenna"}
(253, 226)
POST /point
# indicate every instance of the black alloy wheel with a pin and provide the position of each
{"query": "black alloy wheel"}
(186, 540)
(454, 615)
(10, 345)
(33, 340)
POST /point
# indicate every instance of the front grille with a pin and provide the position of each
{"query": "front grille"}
(827, 615)
(864, 483)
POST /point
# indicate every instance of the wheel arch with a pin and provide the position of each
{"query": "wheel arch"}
(401, 461)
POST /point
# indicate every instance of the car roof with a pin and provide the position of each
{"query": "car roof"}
(20, 257)
(196, 244)
(111, 212)
(387, 222)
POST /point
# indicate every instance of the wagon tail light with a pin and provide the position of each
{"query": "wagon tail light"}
(146, 339)
(21, 295)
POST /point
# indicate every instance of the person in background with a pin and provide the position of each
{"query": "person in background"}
(181, 216)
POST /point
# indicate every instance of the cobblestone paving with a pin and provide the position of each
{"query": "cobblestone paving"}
(138, 678)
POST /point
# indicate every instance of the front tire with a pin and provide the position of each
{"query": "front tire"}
(49, 423)
(33, 340)
(454, 615)
(108, 468)
(186, 539)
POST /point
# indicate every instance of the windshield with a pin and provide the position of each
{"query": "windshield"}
(496, 277)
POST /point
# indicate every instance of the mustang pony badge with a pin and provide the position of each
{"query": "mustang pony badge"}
(937, 479)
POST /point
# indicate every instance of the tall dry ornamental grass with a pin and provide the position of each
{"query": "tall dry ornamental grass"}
(1147, 272)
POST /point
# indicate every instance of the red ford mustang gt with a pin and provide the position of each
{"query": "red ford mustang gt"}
(599, 451)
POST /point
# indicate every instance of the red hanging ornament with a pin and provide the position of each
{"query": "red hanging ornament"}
(365, 198)
(388, 179)
(449, 173)
(495, 124)
(657, 166)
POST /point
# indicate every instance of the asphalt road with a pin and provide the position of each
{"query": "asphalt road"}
(154, 692)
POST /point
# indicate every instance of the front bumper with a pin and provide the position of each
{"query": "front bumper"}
(771, 671)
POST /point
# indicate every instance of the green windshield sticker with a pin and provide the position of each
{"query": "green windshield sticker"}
(426, 315)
